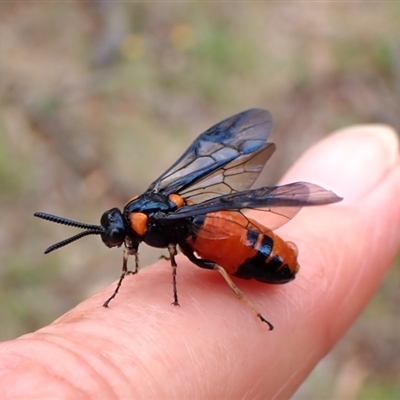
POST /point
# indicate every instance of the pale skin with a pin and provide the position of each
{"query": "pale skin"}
(212, 346)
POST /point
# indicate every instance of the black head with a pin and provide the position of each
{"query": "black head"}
(112, 229)
(114, 232)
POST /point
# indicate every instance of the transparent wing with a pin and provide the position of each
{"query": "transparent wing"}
(281, 202)
(236, 176)
(226, 158)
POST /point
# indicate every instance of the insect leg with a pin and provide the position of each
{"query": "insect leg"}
(172, 253)
(241, 295)
(211, 265)
(125, 272)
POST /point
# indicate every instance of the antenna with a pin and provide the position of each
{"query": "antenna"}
(90, 229)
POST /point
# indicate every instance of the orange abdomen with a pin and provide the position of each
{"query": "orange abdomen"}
(245, 248)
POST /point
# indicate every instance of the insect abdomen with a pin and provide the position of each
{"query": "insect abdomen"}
(245, 248)
(275, 261)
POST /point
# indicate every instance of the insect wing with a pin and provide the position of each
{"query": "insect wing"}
(281, 202)
(232, 143)
(236, 176)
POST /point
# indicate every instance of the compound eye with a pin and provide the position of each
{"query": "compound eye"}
(114, 228)
(114, 237)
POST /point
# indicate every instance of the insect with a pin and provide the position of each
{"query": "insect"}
(198, 205)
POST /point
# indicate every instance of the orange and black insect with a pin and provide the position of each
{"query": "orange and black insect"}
(198, 203)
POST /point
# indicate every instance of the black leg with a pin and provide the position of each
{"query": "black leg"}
(172, 253)
(188, 252)
(211, 265)
(125, 272)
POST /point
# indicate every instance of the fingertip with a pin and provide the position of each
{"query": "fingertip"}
(351, 161)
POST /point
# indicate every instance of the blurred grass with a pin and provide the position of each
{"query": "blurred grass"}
(98, 98)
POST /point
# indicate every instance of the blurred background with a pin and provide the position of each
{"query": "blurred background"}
(98, 98)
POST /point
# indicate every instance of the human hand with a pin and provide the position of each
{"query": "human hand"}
(212, 346)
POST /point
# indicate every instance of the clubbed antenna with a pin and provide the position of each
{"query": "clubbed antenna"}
(90, 229)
